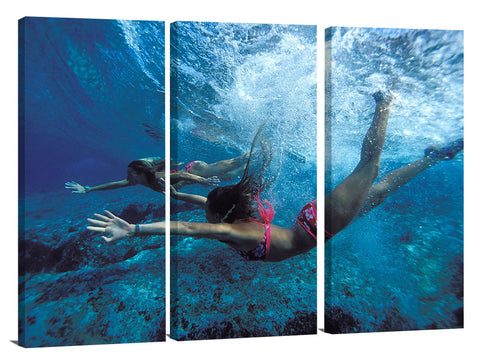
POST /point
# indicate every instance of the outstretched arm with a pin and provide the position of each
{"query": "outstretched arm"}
(115, 228)
(83, 189)
(193, 179)
(191, 198)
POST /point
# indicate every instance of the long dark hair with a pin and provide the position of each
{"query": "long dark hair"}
(148, 167)
(233, 202)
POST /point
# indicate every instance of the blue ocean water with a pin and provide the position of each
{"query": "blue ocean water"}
(400, 267)
(92, 100)
(228, 79)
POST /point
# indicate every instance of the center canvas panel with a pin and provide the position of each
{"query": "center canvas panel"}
(243, 180)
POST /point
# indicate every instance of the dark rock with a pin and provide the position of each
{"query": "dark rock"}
(458, 313)
(339, 322)
(302, 323)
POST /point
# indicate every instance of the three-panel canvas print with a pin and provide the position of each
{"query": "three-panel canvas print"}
(240, 173)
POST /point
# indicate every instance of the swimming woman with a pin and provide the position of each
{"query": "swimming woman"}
(149, 172)
(235, 216)
(230, 213)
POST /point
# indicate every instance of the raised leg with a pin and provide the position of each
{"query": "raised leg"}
(397, 178)
(345, 201)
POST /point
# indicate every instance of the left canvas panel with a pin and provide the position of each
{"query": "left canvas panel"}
(91, 125)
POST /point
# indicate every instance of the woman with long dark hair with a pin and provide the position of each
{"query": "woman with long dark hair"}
(237, 217)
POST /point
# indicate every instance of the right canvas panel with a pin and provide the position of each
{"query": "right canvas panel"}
(393, 179)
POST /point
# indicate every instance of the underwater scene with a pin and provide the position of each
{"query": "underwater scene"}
(399, 264)
(229, 83)
(92, 100)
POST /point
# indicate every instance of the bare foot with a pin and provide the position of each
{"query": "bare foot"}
(447, 152)
(383, 97)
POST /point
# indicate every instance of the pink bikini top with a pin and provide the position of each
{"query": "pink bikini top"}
(262, 251)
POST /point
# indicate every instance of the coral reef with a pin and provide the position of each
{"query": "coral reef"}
(76, 289)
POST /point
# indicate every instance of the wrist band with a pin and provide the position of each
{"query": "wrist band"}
(87, 188)
(137, 229)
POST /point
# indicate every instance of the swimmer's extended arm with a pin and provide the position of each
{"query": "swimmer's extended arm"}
(191, 198)
(193, 179)
(80, 189)
(115, 228)
(241, 236)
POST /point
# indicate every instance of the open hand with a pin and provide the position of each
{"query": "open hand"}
(212, 181)
(111, 225)
(75, 187)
